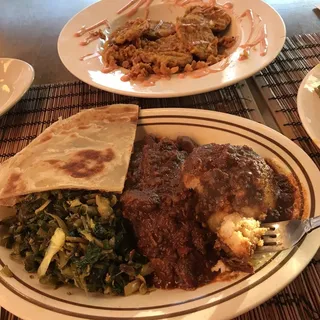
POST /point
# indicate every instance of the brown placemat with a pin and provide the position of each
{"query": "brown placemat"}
(298, 301)
(279, 84)
(43, 105)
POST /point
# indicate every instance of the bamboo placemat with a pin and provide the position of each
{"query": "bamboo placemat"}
(279, 84)
(43, 105)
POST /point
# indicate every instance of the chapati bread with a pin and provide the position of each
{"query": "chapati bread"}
(90, 150)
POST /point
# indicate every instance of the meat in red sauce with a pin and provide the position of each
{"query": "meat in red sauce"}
(161, 211)
(173, 187)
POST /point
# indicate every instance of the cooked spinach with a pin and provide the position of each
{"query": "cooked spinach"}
(76, 237)
(91, 256)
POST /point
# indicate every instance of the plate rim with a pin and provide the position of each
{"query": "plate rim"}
(316, 140)
(9, 105)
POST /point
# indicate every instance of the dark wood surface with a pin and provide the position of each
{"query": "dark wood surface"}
(29, 30)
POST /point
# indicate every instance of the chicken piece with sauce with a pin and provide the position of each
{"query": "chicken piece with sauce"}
(238, 238)
(228, 179)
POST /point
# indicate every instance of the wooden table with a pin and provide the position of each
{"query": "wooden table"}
(29, 30)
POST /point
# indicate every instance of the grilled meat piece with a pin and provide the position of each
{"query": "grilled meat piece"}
(131, 30)
(170, 43)
(167, 52)
(215, 18)
(164, 56)
(120, 55)
(159, 29)
(147, 201)
(227, 42)
(168, 59)
(197, 37)
(147, 47)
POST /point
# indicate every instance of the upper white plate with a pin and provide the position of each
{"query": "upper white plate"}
(16, 77)
(29, 300)
(309, 104)
(89, 71)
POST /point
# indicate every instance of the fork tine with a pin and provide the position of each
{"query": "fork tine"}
(271, 234)
(271, 243)
(267, 249)
(282, 235)
(270, 225)
(270, 239)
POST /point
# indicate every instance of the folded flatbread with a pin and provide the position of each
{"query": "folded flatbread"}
(90, 150)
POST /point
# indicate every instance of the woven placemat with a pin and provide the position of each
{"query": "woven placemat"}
(43, 105)
(279, 84)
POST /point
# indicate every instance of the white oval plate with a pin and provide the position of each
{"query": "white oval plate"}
(28, 299)
(89, 71)
(309, 104)
(16, 76)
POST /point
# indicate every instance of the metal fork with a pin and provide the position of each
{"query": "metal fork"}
(286, 234)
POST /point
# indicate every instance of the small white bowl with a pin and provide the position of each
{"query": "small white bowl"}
(16, 77)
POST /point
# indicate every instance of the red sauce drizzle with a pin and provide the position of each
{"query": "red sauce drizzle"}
(205, 71)
(227, 6)
(136, 4)
(83, 30)
(90, 56)
(261, 39)
(151, 81)
(109, 69)
(93, 36)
